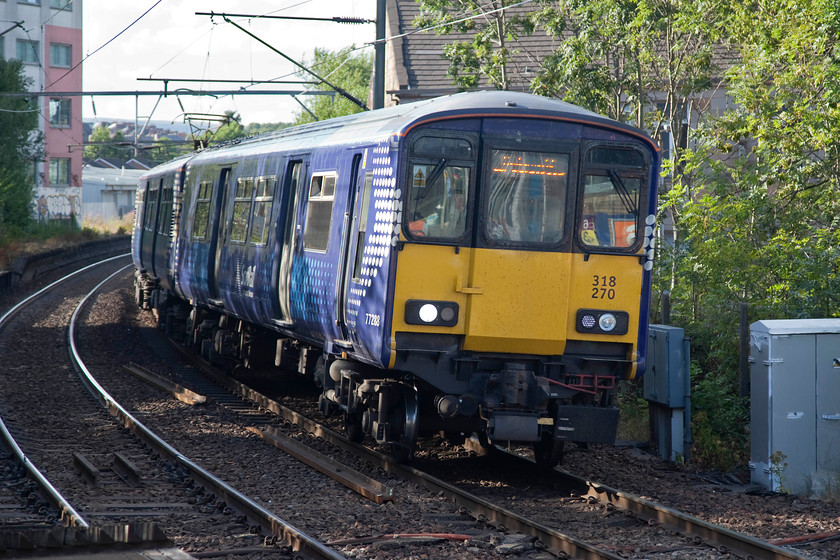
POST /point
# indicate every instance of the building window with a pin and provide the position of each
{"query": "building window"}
(60, 55)
(30, 2)
(59, 171)
(62, 4)
(27, 51)
(59, 113)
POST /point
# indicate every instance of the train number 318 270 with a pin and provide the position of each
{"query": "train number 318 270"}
(603, 287)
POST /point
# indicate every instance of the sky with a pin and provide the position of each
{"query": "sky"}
(171, 42)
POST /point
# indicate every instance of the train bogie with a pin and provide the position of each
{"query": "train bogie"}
(478, 264)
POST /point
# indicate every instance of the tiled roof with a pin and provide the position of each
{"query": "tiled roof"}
(424, 70)
(418, 70)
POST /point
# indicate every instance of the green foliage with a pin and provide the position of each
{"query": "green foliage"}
(638, 60)
(21, 147)
(252, 129)
(718, 423)
(344, 69)
(489, 51)
(230, 129)
(103, 145)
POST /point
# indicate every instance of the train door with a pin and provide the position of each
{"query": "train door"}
(163, 237)
(218, 224)
(355, 225)
(519, 280)
(288, 236)
(150, 224)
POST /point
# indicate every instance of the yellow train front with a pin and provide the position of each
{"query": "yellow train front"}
(520, 279)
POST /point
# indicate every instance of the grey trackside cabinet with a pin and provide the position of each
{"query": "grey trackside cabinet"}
(795, 404)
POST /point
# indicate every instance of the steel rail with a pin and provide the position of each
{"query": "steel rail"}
(297, 539)
(70, 516)
(743, 545)
(555, 541)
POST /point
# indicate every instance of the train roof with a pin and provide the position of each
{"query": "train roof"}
(372, 127)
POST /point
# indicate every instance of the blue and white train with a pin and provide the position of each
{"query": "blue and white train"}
(477, 264)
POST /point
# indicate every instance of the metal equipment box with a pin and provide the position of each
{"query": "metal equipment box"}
(666, 379)
(795, 404)
(667, 388)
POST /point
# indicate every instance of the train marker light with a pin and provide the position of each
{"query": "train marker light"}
(607, 322)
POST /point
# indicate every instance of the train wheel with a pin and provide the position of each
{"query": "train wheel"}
(405, 415)
(548, 452)
(353, 427)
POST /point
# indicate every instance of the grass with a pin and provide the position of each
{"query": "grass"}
(43, 237)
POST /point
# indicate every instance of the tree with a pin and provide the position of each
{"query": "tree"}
(102, 145)
(231, 128)
(488, 52)
(22, 147)
(345, 69)
(758, 202)
(639, 60)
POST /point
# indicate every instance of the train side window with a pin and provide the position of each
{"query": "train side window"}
(363, 217)
(527, 197)
(612, 184)
(263, 201)
(202, 209)
(316, 233)
(241, 209)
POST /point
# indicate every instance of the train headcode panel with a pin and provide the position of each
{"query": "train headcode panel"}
(477, 265)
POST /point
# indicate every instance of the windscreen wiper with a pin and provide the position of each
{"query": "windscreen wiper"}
(623, 193)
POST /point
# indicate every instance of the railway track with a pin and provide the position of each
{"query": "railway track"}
(96, 483)
(414, 513)
(682, 533)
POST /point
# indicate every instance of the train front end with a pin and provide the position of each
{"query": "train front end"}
(523, 275)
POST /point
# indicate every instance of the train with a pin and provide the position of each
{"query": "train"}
(476, 265)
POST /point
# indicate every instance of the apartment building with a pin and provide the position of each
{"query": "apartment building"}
(47, 37)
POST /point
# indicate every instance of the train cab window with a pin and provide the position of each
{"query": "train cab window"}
(439, 194)
(241, 209)
(202, 209)
(263, 199)
(526, 200)
(316, 233)
(613, 179)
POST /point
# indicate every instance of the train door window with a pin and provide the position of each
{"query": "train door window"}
(202, 209)
(438, 198)
(151, 205)
(364, 207)
(316, 234)
(526, 199)
(165, 219)
(241, 209)
(613, 179)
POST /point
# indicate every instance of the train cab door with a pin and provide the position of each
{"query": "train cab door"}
(218, 225)
(147, 251)
(354, 230)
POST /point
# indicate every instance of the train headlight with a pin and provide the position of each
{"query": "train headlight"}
(432, 313)
(597, 321)
(428, 313)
